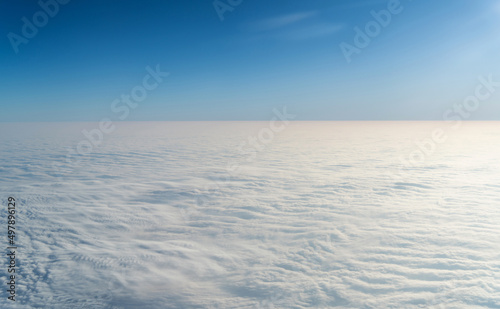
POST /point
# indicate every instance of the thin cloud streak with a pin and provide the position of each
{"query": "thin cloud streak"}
(281, 21)
(313, 31)
(293, 27)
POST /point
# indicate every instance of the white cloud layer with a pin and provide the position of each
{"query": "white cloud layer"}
(313, 222)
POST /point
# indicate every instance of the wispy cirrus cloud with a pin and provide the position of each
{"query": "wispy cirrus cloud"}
(281, 21)
(294, 26)
(313, 31)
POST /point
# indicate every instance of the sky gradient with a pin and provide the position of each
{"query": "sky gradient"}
(262, 55)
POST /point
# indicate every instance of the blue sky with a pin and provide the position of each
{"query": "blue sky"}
(264, 54)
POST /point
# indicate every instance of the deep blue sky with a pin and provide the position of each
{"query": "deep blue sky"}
(264, 54)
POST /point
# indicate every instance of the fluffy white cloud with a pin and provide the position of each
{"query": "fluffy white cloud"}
(312, 222)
